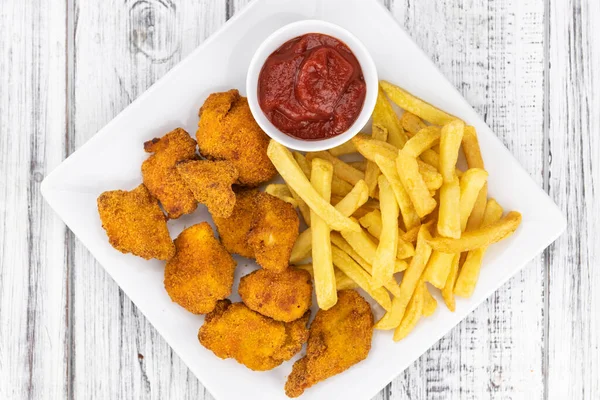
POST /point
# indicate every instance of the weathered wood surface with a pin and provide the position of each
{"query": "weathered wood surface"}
(530, 67)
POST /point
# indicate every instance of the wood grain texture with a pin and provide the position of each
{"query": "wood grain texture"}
(33, 329)
(574, 171)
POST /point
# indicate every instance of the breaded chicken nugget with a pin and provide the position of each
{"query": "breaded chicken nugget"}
(258, 342)
(135, 223)
(234, 229)
(201, 272)
(339, 338)
(210, 182)
(284, 296)
(273, 233)
(161, 177)
(227, 131)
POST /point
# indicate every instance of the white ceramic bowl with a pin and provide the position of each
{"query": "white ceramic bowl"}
(272, 43)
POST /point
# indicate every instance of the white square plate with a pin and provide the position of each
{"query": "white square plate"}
(112, 159)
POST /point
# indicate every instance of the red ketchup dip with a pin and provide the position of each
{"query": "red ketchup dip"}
(312, 87)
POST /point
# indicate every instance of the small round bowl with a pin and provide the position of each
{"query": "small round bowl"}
(272, 43)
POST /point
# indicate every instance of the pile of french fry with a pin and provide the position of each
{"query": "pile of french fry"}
(406, 208)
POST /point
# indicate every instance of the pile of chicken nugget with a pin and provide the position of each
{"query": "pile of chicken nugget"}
(222, 169)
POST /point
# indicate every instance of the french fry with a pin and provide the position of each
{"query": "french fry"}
(392, 285)
(346, 206)
(413, 313)
(342, 170)
(303, 163)
(429, 304)
(384, 115)
(478, 210)
(338, 186)
(408, 170)
(343, 149)
(385, 256)
(423, 140)
(471, 184)
(372, 223)
(411, 235)
(304, 210)
(438, 268)
(291, 173)
(411, 123)
(470, 146)
(449, 213)
(407, 209)
(415, 105)
(369, 147)
(431, 157)
(411, 278)
(469, 273)
(342, 281)
(433, 179)
(372, 171)
(448, 290)
(355, 272)
(320, 178)
(359, 165)
(450, 141)
(281, 191)
(481, 237)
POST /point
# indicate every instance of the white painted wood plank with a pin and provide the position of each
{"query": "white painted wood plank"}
(33, 324)
(493, 52)
(120, 49)
(574, 130)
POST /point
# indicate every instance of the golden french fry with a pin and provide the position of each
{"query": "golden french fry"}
(429, 304)
(304, 210)
(372, 171)
(407, 209)
(478, 210)
(411, 235)
(449, 213)
(415, 105)
(343, 149)
(438, 268)
(481, 237)
(412, 180)
(470, 146)
(342, 170)
(346, 206)
(385, 256)
(342, 281)
(369, 147)
(411, 123)
(372, 223)
(338, 186)
(471, 184)
(431, 157)
(409, 282)
(384, 115)
(469, 273)
(413, 313)
(355, 272)
(303, 163)
(448, 290)
(423, 140)
(320, 178)
(339, 241)
(359, 165)
(433, 179)
(291, 173)
(281, 191)
(450, 141)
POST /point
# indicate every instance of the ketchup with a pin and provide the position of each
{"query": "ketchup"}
(312, 87)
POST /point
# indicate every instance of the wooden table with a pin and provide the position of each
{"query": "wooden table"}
(531, 68)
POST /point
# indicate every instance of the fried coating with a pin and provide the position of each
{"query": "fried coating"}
(273, 233)
(234, 230)
(339, 338)
(210, 182)
(161, 177)
(201, 272)
(135, 223)
(258, 342)
(284, 296)
(227, 131)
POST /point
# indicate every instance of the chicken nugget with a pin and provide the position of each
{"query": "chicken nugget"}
(234, 229)
(339, 338)
(135, 223)
(161, 177)
(273, 232)
(283, 296)
(227, 131)
(258, 342)
(210, 182)
(201, 272)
